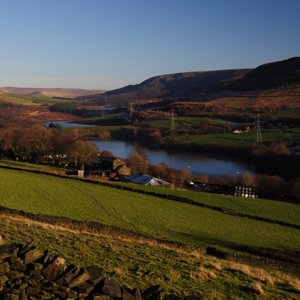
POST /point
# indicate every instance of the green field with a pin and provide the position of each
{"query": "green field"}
(161, 218)
(238, 140)
(184, 122)
(30, 166)
(29, 100)
(275, 210)
(143, 263)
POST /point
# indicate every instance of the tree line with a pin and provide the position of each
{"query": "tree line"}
(36, 143)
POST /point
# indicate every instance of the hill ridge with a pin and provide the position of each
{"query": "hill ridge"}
(50, 92)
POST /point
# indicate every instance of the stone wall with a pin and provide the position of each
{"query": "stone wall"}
(27, 273)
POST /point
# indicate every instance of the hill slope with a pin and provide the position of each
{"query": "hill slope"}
(143, 214)
(189, 84)
(211, 84)
(50, 92)
(143, 262)
(270, 75)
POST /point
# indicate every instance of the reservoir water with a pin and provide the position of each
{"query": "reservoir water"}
(66, 124)
(196, 163)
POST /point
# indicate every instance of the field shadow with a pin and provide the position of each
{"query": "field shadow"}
(289, 256)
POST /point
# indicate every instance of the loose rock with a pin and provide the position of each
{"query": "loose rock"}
(27, 273)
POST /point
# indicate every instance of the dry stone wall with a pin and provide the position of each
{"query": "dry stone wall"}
(27, 273)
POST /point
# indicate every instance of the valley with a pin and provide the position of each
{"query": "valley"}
(206, 134)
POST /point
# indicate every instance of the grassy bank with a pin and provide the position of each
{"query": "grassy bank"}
(32, 167)
(274, 210)
(142, 262)
(165, 219)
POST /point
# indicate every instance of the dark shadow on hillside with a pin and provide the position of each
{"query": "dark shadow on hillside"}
(284, 255)
(277, 254)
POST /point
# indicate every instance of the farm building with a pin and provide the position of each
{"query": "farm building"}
(110, 167)
(145, 179)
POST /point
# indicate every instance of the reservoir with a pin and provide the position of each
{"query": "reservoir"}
(196, 163)
(66, 124)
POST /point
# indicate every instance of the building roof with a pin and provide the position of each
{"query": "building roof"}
(145, 179)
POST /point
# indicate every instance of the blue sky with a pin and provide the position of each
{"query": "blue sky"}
(106, 44)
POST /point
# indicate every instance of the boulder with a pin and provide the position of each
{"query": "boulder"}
(8, 251)
(28, 273)
(68, 276)
(55, 268)
(85, 288)
(137, 294)
(80, 279)
(26, 247)
(154, 293)
(111, 288)
(32, 255)
(96, 274)
(16, 264)
(216, 252)
(1, 240)
(127, 295)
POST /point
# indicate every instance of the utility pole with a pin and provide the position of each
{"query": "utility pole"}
(130, 109)
(258, 131)
(173, 128)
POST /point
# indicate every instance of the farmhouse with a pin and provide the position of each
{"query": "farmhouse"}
(110, 167)
(243, 127)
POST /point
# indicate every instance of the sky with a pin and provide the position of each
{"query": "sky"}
(107, 44)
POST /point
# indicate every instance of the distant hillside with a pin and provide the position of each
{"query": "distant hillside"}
(50, 92)
(189, 84)
(270, 75)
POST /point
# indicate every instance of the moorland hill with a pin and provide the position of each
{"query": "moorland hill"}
(209, 85)
(50, 92)
(270, 75)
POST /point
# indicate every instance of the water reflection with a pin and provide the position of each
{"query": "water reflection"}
(67, 124)
(197, 163)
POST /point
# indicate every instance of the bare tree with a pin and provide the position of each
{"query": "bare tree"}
(83, 152)
(138, 162)
(39, 140)
(15, 140)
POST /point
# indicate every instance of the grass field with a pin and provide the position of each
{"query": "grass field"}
(29, 100)
(238, 140)
(275, 210)
(30, 166)
(143, 263)
(41, 194)
(184, 122)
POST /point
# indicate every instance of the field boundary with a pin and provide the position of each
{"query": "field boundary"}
(185, 200)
